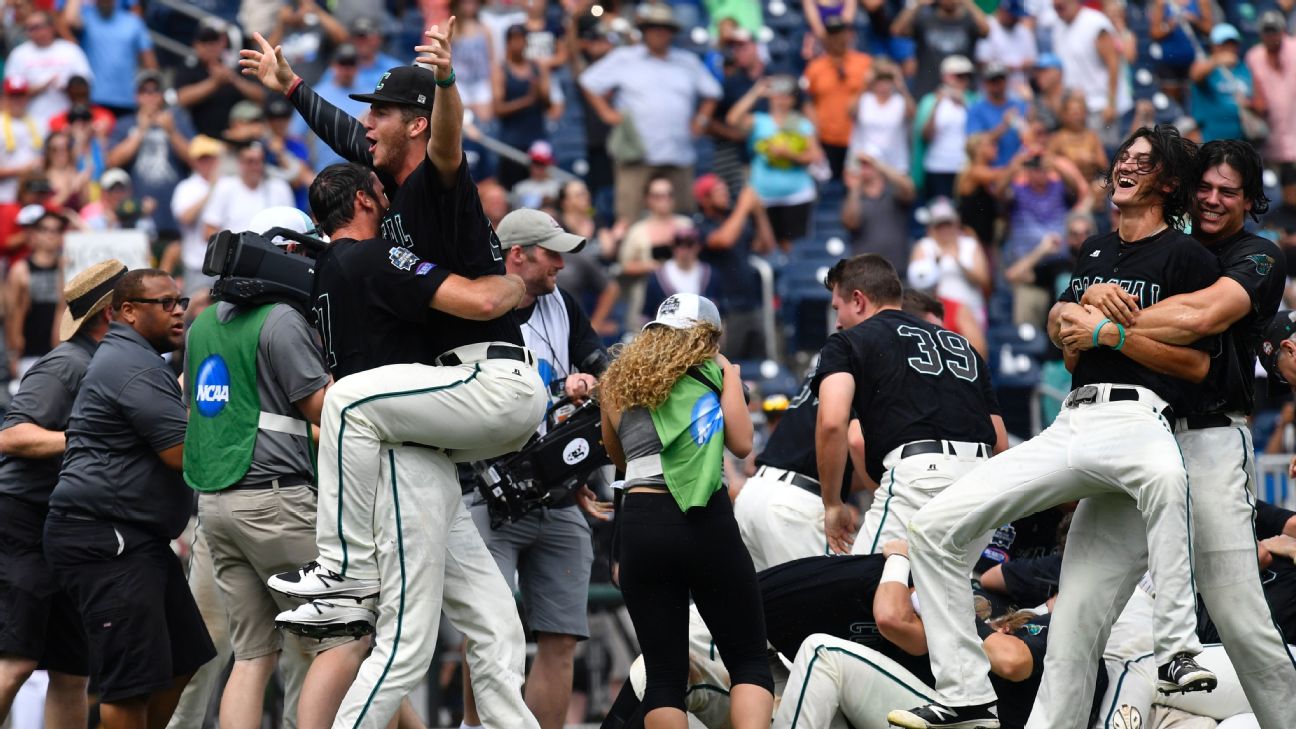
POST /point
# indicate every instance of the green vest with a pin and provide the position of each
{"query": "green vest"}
(690, 425)
(224, 404)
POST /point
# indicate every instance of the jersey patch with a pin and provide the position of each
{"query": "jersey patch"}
(1263, 263)
(424, 268)
(402, 258)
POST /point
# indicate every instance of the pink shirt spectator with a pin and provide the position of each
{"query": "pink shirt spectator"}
(1276, 85)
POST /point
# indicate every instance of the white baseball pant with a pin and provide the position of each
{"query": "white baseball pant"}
(1132, 692)
(1121, 457)
(1222, 472)
(473, 411)
(907, 485)
(834, 681)
(778, 521)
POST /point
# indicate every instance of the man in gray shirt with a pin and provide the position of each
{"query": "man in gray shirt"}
(39, 623)
(118, 503)
(876, 210)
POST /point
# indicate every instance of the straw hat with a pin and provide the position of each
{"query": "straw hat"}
(88, 293)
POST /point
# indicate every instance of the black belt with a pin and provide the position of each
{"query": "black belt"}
(494, 351)
(282, 483)
(805, 483)
(925, 447)
(1089, 394)
(73, 515)
(1199, 422)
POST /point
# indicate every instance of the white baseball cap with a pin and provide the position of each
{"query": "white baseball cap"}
(282, 216)
(685, 311)
(527, 227)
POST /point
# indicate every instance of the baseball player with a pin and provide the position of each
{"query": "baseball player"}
(923, 394)
(1213, 433)
(1111, 445)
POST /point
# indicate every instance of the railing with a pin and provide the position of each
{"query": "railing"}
(766, 273)
(1272, 482)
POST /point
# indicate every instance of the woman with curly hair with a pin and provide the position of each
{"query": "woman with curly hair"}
(671, 405)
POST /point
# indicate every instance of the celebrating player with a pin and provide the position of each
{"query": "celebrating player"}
(923, 396)
(1111, 445)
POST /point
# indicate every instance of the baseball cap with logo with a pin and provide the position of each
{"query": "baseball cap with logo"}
(16, 86)
(956, 65)
(685, 311)
(114, 177)
(527, 227)
(1280, 329)
(1224, 33)
(541, 152)
(403, 85)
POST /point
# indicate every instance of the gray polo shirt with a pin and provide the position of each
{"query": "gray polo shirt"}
(128, 410)
(44, 399)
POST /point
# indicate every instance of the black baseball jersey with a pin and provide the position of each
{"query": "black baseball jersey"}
(1279, 583)
(1261, 269)
(371, 301)
(1017, 698)
(1152, 269)
(833, 595)
(1270, 520)
(913, 381)
(443, 225)
(791, 446)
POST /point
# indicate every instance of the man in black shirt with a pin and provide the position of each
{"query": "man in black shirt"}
(119, 501)
(1111, 445)
(923, 397)
(1213, 433)
(39, 623)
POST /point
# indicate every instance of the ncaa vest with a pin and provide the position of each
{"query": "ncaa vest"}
(690, 426)
(548, 335)
(224, 404)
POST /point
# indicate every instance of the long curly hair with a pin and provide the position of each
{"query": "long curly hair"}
(1173, 160)
(645, 369)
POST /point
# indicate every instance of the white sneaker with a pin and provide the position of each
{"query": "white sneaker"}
(324, 619)
(311, 582)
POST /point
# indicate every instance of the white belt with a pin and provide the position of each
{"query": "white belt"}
(644, 467)
(283, 424)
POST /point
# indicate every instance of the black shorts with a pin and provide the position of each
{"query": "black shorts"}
(38, 620)
(790, 222)
(142, 624)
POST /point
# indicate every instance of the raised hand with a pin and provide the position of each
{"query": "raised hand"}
(267, 64)
(436, 53)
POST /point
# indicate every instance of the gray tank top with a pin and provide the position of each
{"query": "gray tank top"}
(639, 440)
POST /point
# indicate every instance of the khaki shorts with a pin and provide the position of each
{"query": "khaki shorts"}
(253, 534)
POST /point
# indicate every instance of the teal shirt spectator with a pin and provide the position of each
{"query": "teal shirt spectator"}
(113, 45)
(771, 181)
(1213, 102)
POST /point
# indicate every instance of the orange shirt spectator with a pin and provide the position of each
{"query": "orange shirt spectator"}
(835, 81)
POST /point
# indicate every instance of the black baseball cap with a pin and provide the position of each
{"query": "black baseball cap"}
(835, 24)
(346, 54)
(277, 107)
(405, 86)
(1282, 327)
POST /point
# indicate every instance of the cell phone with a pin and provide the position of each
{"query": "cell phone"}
(661, 253)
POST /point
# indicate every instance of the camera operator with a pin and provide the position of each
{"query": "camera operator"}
(549, 549)
(119, 502)
(256, 382)
(39, 622)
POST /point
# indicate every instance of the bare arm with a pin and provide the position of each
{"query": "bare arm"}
(16, 311)
(612, 443)
(1112, 60)
(148, 59)
(72, 15)
(480, 299)
(810, 9)
(29, 440)
(1009, 656)
(445, 148)
(173, 457)
(1078, 325)
(1185, 318)
(740, 114)
(733, 405)
(313, 404)
(836, 393)
(893, 608)
(978, 17)
(903, 24)
(1001, 435)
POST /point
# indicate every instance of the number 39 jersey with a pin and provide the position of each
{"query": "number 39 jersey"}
(913, 381)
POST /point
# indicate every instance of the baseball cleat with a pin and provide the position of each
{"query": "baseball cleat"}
(937, 716)
(324, 619)
(1182, 674)
(311, 581)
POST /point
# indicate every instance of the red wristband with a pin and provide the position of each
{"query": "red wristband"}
(297, 80)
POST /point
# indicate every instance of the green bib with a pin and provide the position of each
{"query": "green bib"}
(224, 404)
(690, 425)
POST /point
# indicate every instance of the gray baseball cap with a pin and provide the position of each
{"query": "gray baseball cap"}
(685, 311)
(527, 227)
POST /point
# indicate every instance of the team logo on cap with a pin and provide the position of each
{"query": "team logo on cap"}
(669, 307)
(382, 81)
(212, 386)
(707, 418)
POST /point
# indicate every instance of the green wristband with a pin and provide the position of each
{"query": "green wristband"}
(1121, 330)
(1098, 330)
(448, 82)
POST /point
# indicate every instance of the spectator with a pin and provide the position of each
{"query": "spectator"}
(977, 189)
(1272, 63)
(882, 118)
(287, 156)
(78, 93)
(21, 136)
(941, 29)
(1010, 42)
(834, 81)
(784, 146)
(539, 189)
(1127, 44)
(1048, 92)
(1079, 143)
(997, 115)
(34, 291)
(371, 62)
(731, 234)
(585, 276)
(876, 209)
(236, 198)
(309, 35)
(941, 130)
(70, 180)
(336, 90)
(114, 190)
(1171, 24)
(743, 68)
(187, 205)
(682, 273)
(1040, 275)
(593, 42)
(33, 189)
(665, 96)
(951, 263)
(1085, 42)
(153, 145)
(546, 43)
(473, 57)
(1035, 192)
(821, 14)
(1221, 86)
(208, 85)
(46, 62)
(521, 98)
(647, 243)
(494, 201)
(117, 44)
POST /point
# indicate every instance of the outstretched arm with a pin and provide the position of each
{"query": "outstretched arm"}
(445, 148)
(339, 130)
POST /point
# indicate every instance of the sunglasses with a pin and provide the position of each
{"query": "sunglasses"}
(168, 303)
(50, 228)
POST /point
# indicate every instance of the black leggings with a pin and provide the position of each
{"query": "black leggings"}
(667, 554)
